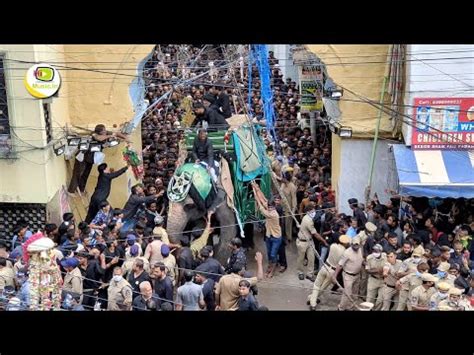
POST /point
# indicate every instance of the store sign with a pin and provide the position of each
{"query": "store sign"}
(443, 123)
(311, 88)
(42, 81)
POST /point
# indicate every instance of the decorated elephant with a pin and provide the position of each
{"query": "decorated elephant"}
(191, 195)
(242, 159)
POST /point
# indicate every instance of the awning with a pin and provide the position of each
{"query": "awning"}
(435, 173)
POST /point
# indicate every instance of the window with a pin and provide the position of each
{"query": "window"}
(47, 121)
(5, 139)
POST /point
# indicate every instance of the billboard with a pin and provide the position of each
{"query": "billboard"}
(311, 88)
(443, 123)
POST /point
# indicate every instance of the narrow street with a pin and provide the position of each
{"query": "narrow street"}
(285, 291)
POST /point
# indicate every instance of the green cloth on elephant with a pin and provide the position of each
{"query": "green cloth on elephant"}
(186, 173)
(248, 152)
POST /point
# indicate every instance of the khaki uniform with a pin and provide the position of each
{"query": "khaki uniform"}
(421, 296)
(363, 238)
(153, 252)
(228, 291)
(409, 283)
(375, 282)
(462, 305)
(164, 235)
(201, 242)
(389, 291)
(120, 296)
(364, 276)
(127, 251)
(408, 265)
(449, 279)
(7, 277)
(289, 191)
(305, 245)
(73, 281)
(324, 278)
(435, 300)
(171, 271)
(351, 263)
(127, 265)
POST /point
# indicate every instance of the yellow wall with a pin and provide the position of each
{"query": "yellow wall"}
(23, 177)
(347, 66)
(86, 98)
(100, 97)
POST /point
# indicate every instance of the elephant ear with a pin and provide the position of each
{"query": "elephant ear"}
(189, 176)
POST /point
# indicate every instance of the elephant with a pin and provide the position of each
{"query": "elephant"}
(186, 214)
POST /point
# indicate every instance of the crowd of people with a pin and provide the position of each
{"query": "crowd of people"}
(399, 255)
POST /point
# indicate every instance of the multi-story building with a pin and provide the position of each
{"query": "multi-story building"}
(100, 84)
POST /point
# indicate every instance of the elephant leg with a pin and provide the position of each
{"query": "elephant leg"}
(227, 231)
(248, 241)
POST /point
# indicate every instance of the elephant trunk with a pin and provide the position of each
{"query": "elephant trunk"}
(177, 220)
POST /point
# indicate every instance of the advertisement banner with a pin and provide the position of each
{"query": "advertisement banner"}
(311, 87)
(443, 123)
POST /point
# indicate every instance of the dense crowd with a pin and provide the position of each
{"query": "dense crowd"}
(404, 254)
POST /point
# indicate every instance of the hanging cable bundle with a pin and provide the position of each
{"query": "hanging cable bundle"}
(260, 55)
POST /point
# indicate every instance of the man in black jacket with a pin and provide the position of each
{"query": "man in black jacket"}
(202, 149)
(135, 201)
(82, 169)
(213, 118)
(92, 270)
(203, 152)
(358, 213)
(102, 190)
(222, 101)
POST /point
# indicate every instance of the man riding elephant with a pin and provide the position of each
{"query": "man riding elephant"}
(203, 152)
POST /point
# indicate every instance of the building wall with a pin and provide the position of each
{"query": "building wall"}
(428, 75)
(361, 69)
(99, 94)
(96, 97)
(336, 163)
(23, 176)
(354, 171)
(282, 53)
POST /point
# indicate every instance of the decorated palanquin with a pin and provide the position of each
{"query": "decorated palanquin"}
(44, 274)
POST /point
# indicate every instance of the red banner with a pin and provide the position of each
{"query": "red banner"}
(443, 123)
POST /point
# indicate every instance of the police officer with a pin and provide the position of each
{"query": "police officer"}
(367, 242)
(453, 301)
(421, 295)
(324, 278)
(442, 294)
(351, 264)
(374, 267)
(408, 267)
(120, 294)
(305, 244)
(390, 279)
(443, 275)
(407, 284)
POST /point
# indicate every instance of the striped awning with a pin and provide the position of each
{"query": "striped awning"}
(435, 173)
